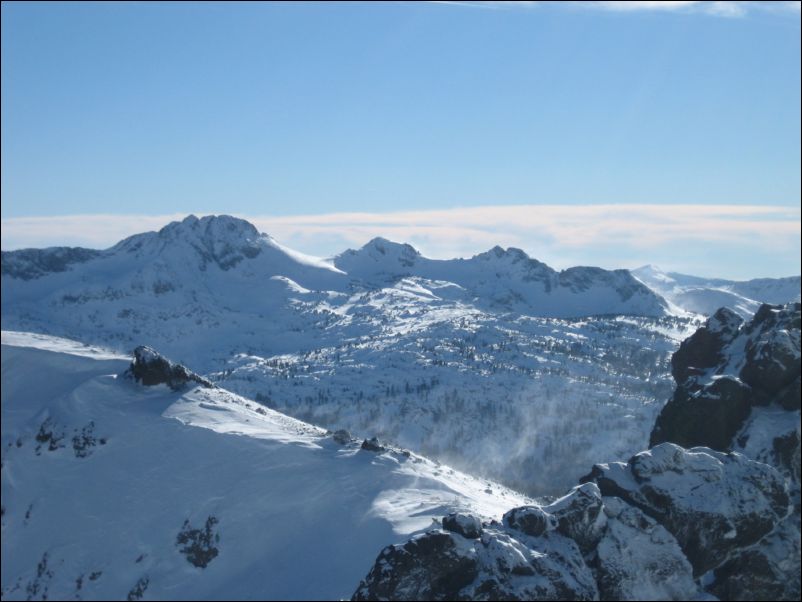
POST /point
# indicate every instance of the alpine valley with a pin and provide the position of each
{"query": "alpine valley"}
(201, 412)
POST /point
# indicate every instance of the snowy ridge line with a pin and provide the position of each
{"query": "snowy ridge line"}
(221, 497)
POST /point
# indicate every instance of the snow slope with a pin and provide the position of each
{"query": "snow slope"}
(100, 474)
(705, 295)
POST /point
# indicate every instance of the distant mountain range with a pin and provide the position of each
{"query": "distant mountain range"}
(384, 341)
(706, 295)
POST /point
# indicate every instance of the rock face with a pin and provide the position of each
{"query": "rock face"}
(441, 565)
(151, 368)
(638, 559)
(721, 518)
(713, 503)
(725, 369)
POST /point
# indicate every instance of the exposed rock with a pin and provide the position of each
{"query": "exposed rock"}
(428, 567)
(727, 368)
(637, 559)
(579, 515)
(532, 520)
(199, 545)
(772, 350)
(712, 503)
(151, 368)
(373, 445)
(705, 348)
(342, 436)
(767, 571)
(445, 566)
(466, 525)
(708, 417)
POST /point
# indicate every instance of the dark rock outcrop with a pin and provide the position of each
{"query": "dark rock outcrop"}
(373, 445)
(725, 369)
(342, 436)
(466, 525)
(151, 368)
(532, 520)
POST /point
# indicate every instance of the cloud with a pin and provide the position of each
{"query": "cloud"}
(720, 9)
(725, 240)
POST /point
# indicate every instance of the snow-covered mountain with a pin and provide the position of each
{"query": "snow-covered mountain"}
(496, 365)
(706, 295)
(379, 339)
(112, 489)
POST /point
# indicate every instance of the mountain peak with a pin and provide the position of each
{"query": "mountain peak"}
(211, 226)
(512, 253)
(384, 246)
(221, 239)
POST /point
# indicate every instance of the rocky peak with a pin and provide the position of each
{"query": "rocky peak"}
(214, 227)
(379, 257)
(151, 368)
(221, 240)
(705, 348)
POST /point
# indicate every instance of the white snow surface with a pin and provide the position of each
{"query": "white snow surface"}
(298, 515)
(706, 295)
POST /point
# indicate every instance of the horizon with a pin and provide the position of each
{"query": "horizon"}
(594, 133)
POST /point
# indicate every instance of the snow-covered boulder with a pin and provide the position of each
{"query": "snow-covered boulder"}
(532, 520)
(467, 525)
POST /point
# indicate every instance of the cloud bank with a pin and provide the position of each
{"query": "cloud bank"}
(736, 241)
(719, 9)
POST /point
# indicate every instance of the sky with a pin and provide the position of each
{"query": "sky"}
(592, 133)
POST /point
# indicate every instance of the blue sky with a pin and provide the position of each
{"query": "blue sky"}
(293, 110)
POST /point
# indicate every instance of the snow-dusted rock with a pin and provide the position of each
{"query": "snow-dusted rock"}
(727, 368)
(712, 502)
(440, 565)
(467, 525)
(767, 571)
(151, 368)
(579, 515)
(532, 520)
(637, 559)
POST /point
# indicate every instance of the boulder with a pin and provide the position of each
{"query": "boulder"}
(532, 520)
(467, 525)
(373, 445)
